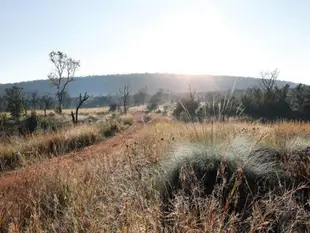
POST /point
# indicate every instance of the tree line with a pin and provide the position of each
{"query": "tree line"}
(266, 101)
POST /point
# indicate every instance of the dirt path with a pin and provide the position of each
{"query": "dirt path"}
(104, 147)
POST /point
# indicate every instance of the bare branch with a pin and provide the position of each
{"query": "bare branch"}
(268, 80)
(82, 99)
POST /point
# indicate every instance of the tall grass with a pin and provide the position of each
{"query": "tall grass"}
(20, 151)
(117, 192)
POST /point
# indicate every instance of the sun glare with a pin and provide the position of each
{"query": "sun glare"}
(194, 40)
(190, 40)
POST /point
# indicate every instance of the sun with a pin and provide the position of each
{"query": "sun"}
(197, 39)
(188, 40)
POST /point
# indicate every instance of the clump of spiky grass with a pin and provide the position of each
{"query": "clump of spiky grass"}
(242, 172)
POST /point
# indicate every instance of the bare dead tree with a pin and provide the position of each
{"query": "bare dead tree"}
(64, 72)
(268, 80)
(82, 99)
(125, 97)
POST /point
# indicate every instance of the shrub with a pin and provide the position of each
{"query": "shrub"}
(3, 117)
(113, 107)
(58, 110)
(110, 129)
(155, 100)
(166, 108)
(187, 105)
(127, 120)
(29, 125)
(152, 106)
(51, 114)
(184, 117)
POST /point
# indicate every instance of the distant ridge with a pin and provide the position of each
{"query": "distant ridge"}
(109, 84)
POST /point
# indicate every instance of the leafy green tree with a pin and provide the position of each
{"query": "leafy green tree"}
(14, 98)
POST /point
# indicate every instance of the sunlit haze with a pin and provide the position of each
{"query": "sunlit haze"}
(219, 37)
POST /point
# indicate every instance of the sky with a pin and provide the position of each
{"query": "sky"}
(232, 37)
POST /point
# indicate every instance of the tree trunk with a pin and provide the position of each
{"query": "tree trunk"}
(73, 118)
(59, 107)
(125, 104)
(76, 115)
(59, 103)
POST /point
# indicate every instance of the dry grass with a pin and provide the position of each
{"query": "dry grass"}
(127, 119)
(21, 151)
(117, 192)
(82, 111)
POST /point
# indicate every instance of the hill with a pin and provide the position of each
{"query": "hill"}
(109, 84)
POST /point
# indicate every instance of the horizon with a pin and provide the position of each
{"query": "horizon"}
(221, 38)
(156, 73)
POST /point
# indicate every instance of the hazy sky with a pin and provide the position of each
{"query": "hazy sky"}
(231, 37)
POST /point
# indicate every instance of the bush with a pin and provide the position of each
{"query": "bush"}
(51, 114)
(113, 107)
(127, 120)
(47, 123)
(29, 125)
(186, 105)
(166, 108)
(58, 110)
(110, 129)
(152, 106)
(184, 117)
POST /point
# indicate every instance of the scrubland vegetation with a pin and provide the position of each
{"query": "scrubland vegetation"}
(18, 151)
(199, 162)
(119, 192)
